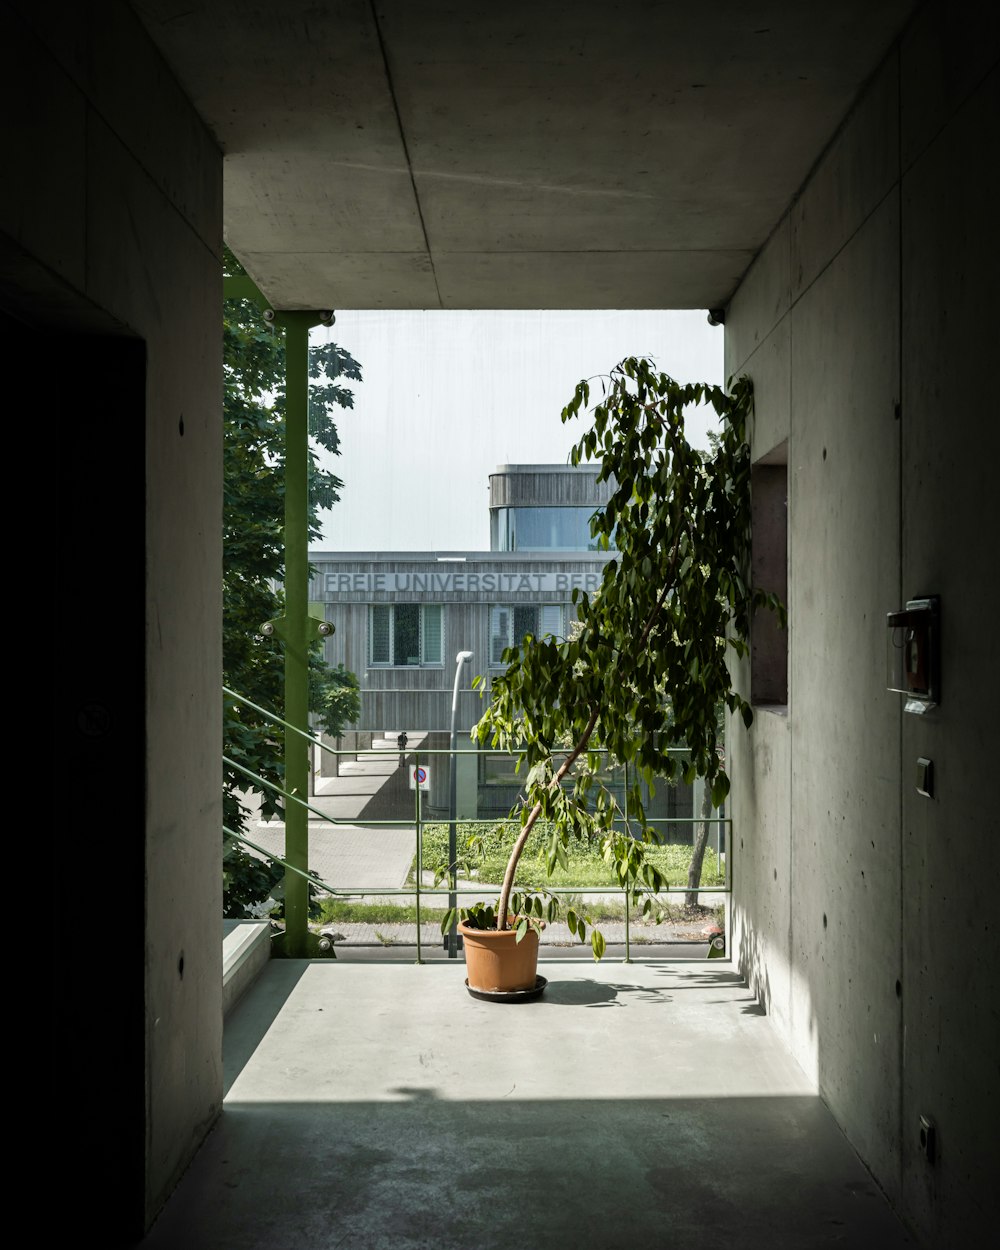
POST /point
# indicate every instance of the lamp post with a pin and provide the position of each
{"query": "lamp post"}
(461, 659)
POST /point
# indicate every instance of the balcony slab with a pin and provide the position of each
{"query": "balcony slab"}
(377, 1104)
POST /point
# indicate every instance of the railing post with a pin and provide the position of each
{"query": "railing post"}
(728, 914)
(420, 856)
(294, 628)
(461, 660)
(628, 944)
(296, 633)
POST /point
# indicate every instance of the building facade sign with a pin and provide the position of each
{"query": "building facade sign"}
(464, 583)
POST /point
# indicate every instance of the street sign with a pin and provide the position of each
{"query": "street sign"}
(420, 777)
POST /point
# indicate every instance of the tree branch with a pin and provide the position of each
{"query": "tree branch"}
(536, 811)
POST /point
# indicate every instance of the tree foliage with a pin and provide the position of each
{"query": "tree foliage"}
(253, 562)
(646, 671)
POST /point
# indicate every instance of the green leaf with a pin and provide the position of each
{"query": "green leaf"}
(597, 944)
(644, 667)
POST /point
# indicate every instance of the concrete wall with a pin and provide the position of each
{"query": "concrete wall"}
(110, 234)
(862, 909)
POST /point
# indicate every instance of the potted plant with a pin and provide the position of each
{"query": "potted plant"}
(643, 672)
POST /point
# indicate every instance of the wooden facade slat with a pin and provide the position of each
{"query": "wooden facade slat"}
(545, 486)
(419, 697)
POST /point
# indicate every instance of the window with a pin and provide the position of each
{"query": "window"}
(509, 622)
(542, 529)
(402, 634)
(769, 566)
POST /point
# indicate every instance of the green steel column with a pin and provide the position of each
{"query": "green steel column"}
(296, 631)
(628, 936)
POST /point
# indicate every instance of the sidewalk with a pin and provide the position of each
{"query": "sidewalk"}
(352, 855)
(678, 941)
(349, 856)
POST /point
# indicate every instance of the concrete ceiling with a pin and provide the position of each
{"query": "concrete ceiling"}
(590, 154)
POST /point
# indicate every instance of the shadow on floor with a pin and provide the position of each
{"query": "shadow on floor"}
(425, 1171)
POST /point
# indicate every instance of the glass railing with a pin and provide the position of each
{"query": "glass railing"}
(388, 855)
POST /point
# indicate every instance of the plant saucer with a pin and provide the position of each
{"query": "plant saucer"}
(509, 996)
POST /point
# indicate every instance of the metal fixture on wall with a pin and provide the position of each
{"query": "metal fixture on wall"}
(913, 664)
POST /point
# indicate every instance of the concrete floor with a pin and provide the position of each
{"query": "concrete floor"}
(377, 1105)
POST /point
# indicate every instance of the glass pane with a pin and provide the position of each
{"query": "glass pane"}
(498, 770)
(406, 634)
(500, 538)
(545, 529)
(551, 620)
(379, 617)
(431, 636)
(525, 620)
(499, 633)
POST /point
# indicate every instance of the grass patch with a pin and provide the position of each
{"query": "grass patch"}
(586, 867)
(336, 912)
(601, 912)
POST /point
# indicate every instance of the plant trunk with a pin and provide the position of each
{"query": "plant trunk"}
(698, 850)
(529, 824)
(574, 755)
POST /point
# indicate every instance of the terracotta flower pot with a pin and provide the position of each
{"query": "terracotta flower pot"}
(496, 961)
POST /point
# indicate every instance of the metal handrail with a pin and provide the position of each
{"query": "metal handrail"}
(294, 798)
(405, 824)
(403, 890)
(309, 876)
(418, 891)
(393, 751)
(278, 720)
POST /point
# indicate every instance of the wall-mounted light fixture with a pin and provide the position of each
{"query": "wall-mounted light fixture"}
(913, 656)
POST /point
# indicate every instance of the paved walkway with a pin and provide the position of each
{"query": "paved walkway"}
(353, 855)
(350, 856)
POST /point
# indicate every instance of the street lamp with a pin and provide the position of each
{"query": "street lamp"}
(461, 659)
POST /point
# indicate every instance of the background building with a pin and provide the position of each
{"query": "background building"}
(401, 618)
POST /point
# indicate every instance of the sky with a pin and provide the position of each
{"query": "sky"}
(449, 396)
